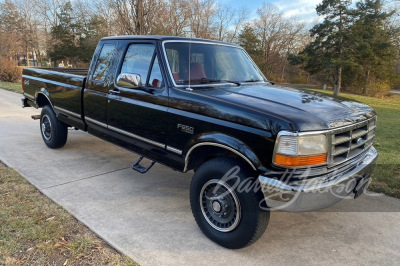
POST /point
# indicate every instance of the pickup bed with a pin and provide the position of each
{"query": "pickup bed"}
(202, 105)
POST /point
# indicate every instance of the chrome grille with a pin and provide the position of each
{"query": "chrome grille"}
(348, 142)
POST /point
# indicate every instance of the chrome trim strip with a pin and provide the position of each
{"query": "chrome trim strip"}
(217, 145)
(29, 96)
(67, 112)
(200, 42)
(152, 142)
(59, 73)
(126, 133)
(172, 149)
(91, 120)
(53, 82)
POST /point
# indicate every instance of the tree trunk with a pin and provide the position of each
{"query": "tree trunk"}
(366, 82)
(27, 56)
(283, 70)
(338, 82)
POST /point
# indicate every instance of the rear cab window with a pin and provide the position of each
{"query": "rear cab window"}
(104, 62)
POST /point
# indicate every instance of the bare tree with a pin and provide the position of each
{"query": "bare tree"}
(202, 18)
(134, 16)
(224, 16)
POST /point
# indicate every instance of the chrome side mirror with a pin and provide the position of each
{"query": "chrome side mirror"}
(130, 81)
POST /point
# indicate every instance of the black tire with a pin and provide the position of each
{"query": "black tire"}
(54, 132)
(221, 219)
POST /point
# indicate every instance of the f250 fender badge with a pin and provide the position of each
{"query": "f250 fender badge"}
(26, 82)
(186, 129)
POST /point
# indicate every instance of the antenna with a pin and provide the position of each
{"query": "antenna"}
(189, 59)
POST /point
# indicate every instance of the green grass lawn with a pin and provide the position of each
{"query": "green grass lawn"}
(386, 178)
(15, 87)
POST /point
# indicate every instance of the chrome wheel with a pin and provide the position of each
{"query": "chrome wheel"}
(220, 205)
(46, 127)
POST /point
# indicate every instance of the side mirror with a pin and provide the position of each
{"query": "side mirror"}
(130, 81)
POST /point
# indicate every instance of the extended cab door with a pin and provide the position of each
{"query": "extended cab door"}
(96, 92)
(137, 118)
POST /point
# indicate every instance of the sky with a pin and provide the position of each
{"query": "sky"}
(304, 9)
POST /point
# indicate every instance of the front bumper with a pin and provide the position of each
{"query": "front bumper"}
(319, 192)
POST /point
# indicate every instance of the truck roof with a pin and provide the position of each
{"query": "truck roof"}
(160, 38)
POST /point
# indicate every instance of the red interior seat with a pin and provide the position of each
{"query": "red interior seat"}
(176, 76)
(197, 72)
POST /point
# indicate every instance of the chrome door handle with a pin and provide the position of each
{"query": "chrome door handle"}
(114, 92)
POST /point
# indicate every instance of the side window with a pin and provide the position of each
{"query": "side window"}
(104, 62)
(138, 59)
(156, 77)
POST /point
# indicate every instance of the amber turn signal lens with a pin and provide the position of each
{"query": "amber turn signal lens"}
(300, 161)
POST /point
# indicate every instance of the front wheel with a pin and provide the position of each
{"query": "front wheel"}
(54, 132)
(227, 212)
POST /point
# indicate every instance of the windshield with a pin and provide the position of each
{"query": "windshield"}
(210, 63)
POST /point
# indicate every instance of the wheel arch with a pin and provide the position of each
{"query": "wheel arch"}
(43, 98)
(210, 146)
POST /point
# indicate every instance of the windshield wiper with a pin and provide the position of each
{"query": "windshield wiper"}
(206, 81)
(254, 80)
(231, 81)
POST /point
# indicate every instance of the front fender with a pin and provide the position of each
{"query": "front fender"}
(226, 142)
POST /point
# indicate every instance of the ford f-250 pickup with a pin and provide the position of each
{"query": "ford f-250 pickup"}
(202, 105)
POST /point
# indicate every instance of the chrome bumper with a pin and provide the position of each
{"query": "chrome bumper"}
(320, 192)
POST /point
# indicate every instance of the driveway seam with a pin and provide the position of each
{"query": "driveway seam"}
(77, 180)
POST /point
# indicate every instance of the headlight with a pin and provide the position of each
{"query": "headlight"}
(293, 150)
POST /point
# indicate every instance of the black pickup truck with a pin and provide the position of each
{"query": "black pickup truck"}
(202, 105)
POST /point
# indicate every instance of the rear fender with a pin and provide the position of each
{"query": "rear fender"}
(40, 101)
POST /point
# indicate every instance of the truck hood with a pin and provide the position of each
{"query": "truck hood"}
(305, 110)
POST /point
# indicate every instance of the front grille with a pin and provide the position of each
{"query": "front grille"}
(350, 141)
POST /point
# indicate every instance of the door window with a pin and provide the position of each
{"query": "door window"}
(156, 76)
(138, 59)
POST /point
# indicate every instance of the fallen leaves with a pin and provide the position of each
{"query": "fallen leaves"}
(61, 244)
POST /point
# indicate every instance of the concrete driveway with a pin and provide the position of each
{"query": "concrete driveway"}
(148, 217)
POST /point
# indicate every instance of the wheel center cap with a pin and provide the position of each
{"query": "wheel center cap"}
(216, 206)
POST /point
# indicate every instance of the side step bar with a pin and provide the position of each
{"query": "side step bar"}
(142, 169)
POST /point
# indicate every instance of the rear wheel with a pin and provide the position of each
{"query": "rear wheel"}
(226, 214)
(54, 132)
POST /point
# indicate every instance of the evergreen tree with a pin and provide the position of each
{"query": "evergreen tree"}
(373, 42)
(90, 33)
(76, 37)
(250, 42)
(64, 35)
(328, 52)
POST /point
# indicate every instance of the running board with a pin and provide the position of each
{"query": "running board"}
(35, 117)
(142, 169)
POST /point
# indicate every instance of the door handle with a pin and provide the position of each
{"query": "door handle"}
(114, 92)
